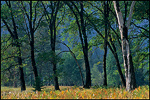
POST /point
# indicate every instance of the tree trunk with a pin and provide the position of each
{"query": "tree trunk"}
(55, 78)
(22, 81)
(31, 79)
(85, 49)
(14, 80)
(119, 70)
(53, 41)
(23, 87)
(14, 35)
(128, 64)
(117, 62)
(105, 43)
(88, 74)
(37, 79)
(114, 53)
(127, 58)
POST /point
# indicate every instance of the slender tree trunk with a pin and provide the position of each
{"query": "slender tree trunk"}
(54, 62)
(22, 81)
(81, 43)
(114, 53)
(88, 74)
(14, 35)
(55, 78)
(105, 43)
(31, 80)
(85, 49)
(53, 41)
(117, 62)
(127, 58)
(119, 70)
(37, 82)
(14, 80)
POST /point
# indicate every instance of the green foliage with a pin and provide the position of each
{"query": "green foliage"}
(49, 56)
(37, 84)
(97, 76)
(69, 71)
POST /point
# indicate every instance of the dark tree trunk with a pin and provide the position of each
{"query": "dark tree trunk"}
(119, 70)
(85, 49)
(88, 74)
(14, 80)
(22, 81)
(117, 63)
(105, 42)
(104, 65)
(52, 28)
(37, 82)
(31, 80)
(113, 51)
(23, 87)
(53, 41)
(81, 42)
(15, 38)
(55, 78)
(54, 59)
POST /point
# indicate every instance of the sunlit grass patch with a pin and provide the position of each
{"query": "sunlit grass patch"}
(75, 92)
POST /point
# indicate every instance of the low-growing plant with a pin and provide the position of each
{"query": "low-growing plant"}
(75, 92)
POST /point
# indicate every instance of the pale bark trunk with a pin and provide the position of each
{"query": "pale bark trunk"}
(127, 58)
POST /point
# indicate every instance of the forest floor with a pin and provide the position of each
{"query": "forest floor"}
(75, 92)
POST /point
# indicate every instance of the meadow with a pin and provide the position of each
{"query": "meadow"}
(75, 92)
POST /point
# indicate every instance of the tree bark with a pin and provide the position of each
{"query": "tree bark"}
(23, 87)
(127, 58)
(53, 41)
(117, 63)
(85, 49)
(113, 51)
(32, 51)
(105, 43)
(14, 35)
(83, 38)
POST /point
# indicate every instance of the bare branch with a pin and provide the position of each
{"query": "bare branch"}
(8, 27)
(35, 15)
(130, 15)
(139, 27)
(62, 52)
(45, 11)
(25, 10)
(38, 23)
(119, 16)
(75, 60)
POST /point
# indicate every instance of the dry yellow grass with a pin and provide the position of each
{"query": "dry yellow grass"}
(68, 92)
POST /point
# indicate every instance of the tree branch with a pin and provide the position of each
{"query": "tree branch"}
(130, 15)
(139, 27)
(25, 10)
